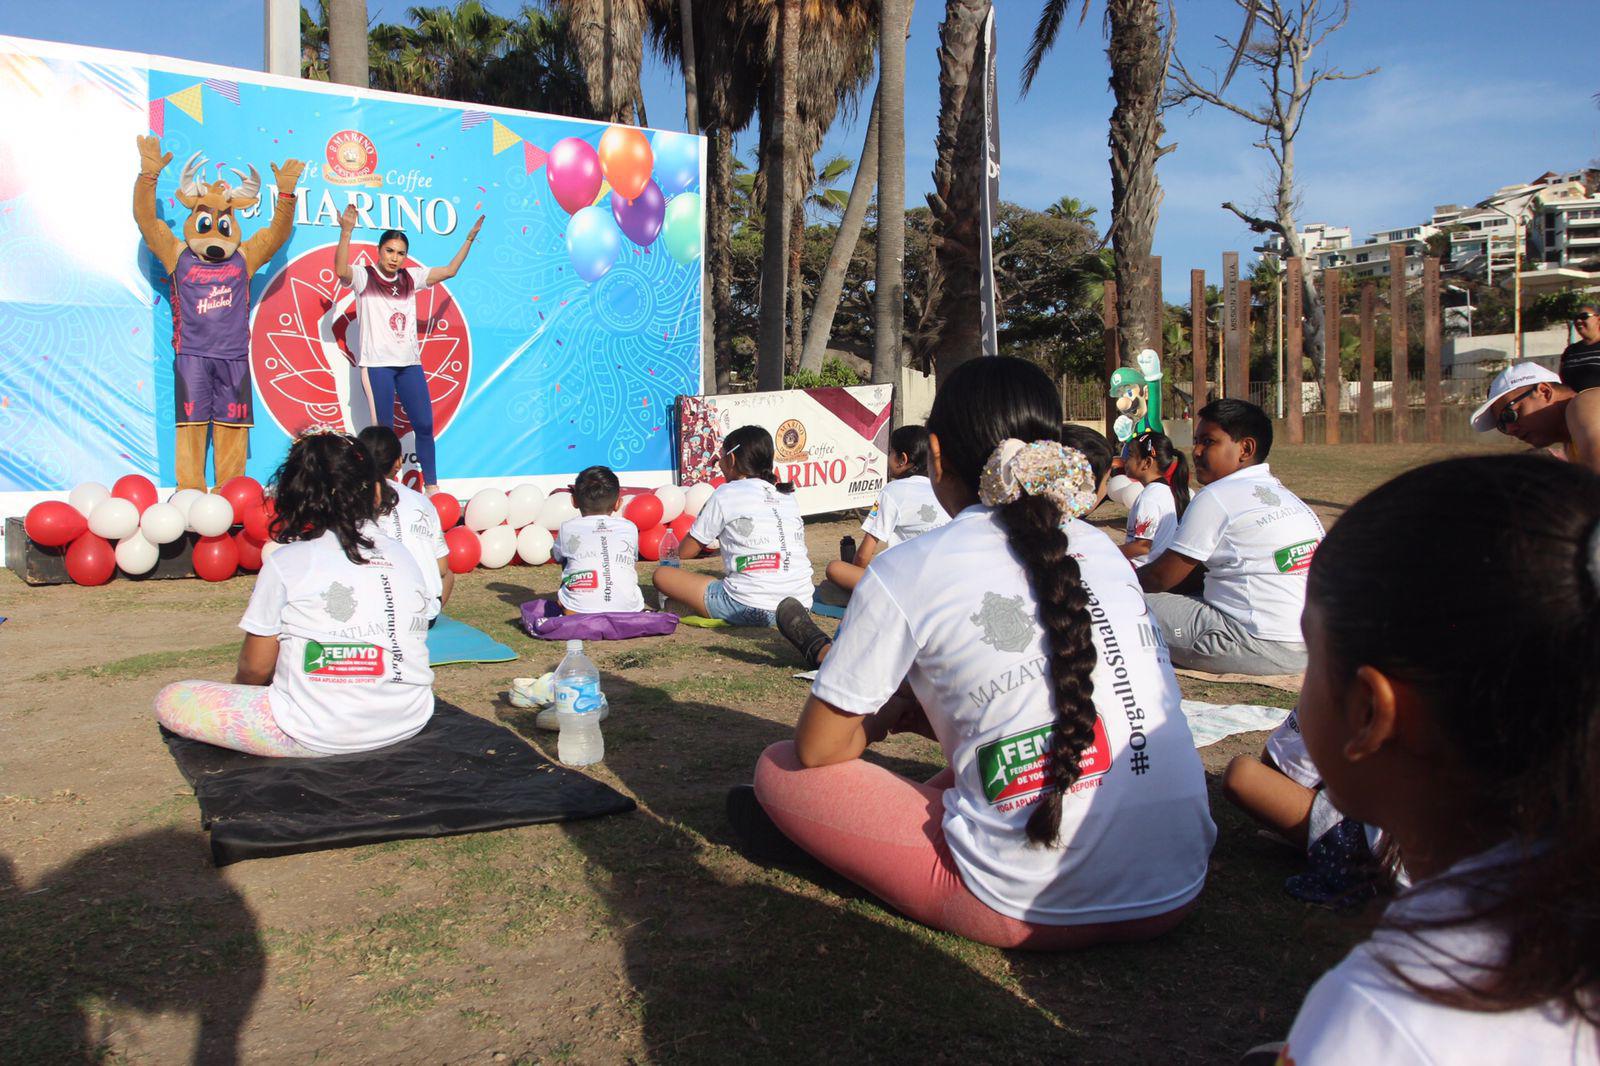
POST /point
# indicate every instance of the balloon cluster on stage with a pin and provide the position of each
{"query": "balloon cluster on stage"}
(649, 198)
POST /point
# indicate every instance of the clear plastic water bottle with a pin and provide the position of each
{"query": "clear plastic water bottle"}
(578, 703)
(669, 557)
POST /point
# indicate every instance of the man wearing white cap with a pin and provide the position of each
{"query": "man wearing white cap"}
(1530, 403)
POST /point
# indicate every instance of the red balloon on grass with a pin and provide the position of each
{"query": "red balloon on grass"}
(718, 481)
(465, 549)
(91, 560)
(216, 558)
(136, 489)
(54, 523)
(258, 521)
(650, 542)
(449, 509)
(249, 550)
(243, 493)
(644, 511)
(680, 526)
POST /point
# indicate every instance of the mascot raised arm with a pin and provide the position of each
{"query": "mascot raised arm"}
(210, 267)
(1138, 396)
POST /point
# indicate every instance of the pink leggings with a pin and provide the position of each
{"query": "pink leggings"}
(886, 833)
(238, 717)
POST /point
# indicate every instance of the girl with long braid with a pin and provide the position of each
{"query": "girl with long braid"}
(1073, 810)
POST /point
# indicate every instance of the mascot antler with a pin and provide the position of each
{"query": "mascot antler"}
(248, 190)
(190, 188)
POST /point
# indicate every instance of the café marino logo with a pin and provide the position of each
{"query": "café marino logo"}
(352, 160)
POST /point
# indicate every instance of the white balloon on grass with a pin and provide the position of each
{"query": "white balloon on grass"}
(85, 496)
(556, 510)
(136, 555)
(534, 544)
(488, 508)
(673, 499)
(695, 497)
(268, 548)
(114, 518)
(525, 502)
(498, 545)
(184, 499)
(162, 523)
(210, 516)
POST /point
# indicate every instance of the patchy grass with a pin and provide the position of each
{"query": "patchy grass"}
(150, 663)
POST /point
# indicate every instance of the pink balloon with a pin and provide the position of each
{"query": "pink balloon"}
(573, 170)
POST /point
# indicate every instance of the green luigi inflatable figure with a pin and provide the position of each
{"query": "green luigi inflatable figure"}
(1138, 396)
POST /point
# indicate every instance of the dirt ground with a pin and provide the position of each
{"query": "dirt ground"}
(638, 938)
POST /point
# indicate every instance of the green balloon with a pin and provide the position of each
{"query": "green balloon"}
(680, 231)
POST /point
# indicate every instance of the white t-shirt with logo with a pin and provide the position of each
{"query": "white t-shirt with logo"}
(1287, 749)
(763, 541)
(415, 524)
(974, 651)
(386, 315)
(598, 555)
(352, 671)
(1153, 517)
(906, 508)
(1360, 1012)
(1256, 539)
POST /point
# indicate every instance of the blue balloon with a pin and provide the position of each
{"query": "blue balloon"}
(593, 242)
(677, 161)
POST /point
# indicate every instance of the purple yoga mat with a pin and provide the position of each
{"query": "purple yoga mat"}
(543, 619)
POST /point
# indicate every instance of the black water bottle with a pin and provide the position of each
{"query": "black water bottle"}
(847, 549)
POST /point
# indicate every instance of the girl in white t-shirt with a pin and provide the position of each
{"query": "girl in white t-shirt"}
(406, 515)
(762, 537)
(906, 507)
(1451, 700)
(1020, 634)
(1151, 460)
(335, 655)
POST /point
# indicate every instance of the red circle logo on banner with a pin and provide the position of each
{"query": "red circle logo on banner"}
(351, 156)
(302, 354)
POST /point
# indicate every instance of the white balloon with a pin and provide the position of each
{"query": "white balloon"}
(268, 548)
(162, 523)
(534, 544)
(488, 508)
(136, 555)
(1124, 490)
(85, 496)
(673, 499)
(556, 510)
(113, 518)
(210, 516)
(695, 497)
(498, 545)
(525, 502)
(184, 499)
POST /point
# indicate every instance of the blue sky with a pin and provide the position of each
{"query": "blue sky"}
(1467, 99)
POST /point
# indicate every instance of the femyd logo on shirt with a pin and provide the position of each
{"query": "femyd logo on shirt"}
(1016, 765)
(1296, 557)
(343, 660)
(581, 579)
(759, 561)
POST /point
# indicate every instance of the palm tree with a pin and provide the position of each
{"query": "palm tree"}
(888, 313)
(831, 284)
(347, 41)
(609, 38)
(539, 70)
(1074, 210)
(778, 158)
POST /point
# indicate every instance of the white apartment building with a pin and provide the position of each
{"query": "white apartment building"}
(1563, 246)
(1315, 238)
(1370, 259)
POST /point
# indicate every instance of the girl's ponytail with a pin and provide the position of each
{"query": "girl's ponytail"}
(1172, 463)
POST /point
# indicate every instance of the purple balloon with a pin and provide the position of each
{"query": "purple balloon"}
(573, 170)
(641, 219)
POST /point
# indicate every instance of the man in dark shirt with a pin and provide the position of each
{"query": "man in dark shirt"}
(1580, 362)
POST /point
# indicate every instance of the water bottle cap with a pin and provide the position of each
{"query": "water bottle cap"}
(574, 645)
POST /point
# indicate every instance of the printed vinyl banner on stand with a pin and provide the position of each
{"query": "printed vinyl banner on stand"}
(562, 342)
(832, 444)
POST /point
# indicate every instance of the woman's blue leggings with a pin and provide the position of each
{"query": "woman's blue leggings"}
(410, 383)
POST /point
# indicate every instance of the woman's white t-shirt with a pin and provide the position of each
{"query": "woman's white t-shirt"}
(1360, 1012)
(386, 315)
(352, 671)
(1136, 830)
(1153, 517)
(415, 524)
(599, 556)
(763, 540)
(906, 508)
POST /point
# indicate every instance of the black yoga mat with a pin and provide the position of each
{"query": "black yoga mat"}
(461, 774)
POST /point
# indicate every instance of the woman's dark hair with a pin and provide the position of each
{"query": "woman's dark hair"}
(326, 484)
(394, 235)
(984, 402)
(595, 490)
(1173, 464)
(1496, 624)
(383, 448)
(1094, 446)
(751, 448)
(1240, 419)
(912, 442)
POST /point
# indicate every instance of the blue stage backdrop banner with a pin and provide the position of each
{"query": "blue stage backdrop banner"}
(562, 343)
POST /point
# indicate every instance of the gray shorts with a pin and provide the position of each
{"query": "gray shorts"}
(1200, 637)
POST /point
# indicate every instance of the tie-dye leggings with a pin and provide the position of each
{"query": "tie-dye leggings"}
(230, 716)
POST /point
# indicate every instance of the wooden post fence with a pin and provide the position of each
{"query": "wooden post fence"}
(1231, 374)
(1366, 415)
(1197, 335)
(1295, 355)
(1332, 388)
(1431, 325)
(1399, 372)
(1242, 305)
(1108, 318)
(1158, 308)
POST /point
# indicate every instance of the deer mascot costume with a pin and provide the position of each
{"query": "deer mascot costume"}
(210, 269)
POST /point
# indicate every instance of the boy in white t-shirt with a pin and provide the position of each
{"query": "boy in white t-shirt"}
(1255, 540)
(906, 508)
(598, 552)
(411, 519)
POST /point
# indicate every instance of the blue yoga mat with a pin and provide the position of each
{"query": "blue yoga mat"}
(826, 610)
(450, 641)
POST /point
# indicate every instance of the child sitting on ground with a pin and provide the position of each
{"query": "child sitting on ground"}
(763, 538)
(597, 551)
(906, 507)
(1152, 461)
(410, 518)
(1448, 701)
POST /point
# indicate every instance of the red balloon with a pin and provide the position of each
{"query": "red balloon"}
(680, 526)
(258, 521)
(449, 509)
(249, 551)
(216, 558)
(91, 560)
(54, 523)
(243, 493)
(718, 481)
(643, 511)
(650, 542)
(465, 548)
(136, 489)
